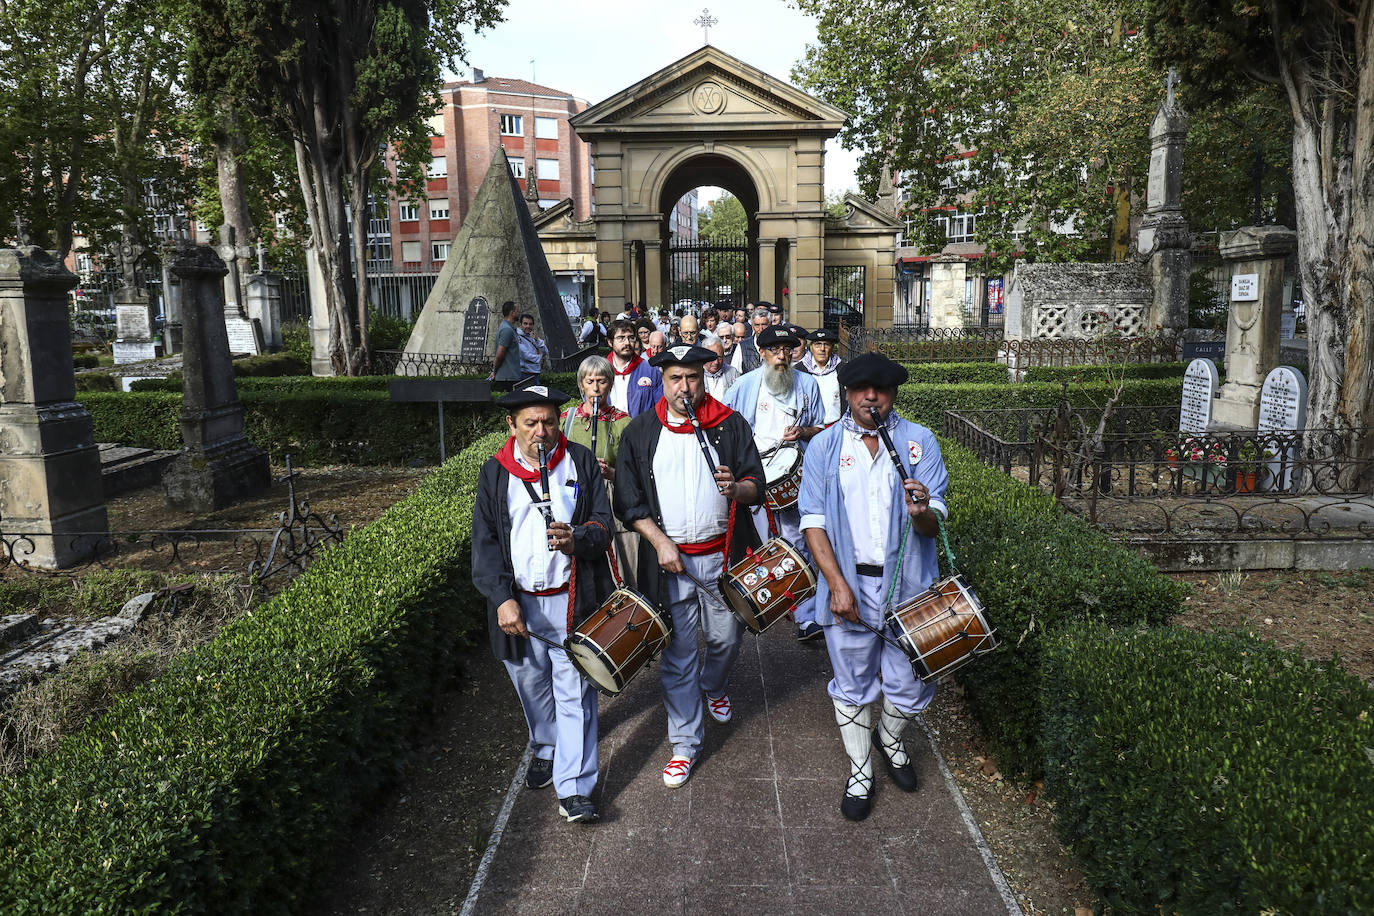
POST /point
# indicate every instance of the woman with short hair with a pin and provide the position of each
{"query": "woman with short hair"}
(594, 380)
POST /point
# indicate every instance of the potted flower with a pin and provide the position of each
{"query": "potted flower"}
(1200, 458)
(1251, 466)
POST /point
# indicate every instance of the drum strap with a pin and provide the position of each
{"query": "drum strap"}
(901, 553)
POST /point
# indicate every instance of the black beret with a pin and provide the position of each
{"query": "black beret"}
(776, 335)
(823, 335)
(871, 369)
(682, 354)
(775, 309)
(533, 394)
(798, 332)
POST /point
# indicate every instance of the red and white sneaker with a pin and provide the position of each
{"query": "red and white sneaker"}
(720, 707)
(677, 771)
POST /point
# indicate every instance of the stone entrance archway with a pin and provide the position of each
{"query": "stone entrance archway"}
(712, 119)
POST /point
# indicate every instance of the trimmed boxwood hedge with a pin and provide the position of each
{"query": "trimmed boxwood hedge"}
(1210, 772)
(214, 788)
(1036, 570)
(955, 373)
(927, 404)
(1101, 373)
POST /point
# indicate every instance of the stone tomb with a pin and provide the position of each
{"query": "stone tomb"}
(1256, 255)
(1199, 388)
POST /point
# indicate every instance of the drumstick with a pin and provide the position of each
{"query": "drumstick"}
(704, 587)
(891, 450)
(701, 437)
(545, 639)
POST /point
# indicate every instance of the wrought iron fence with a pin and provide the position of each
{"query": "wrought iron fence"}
(399, 362)
(704, 270)
(920, 344)
(1004, 438)
(1256, 485)
(1020, 354)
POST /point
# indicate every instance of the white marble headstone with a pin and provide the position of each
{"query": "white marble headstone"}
(1199, 388)
(243, 337)
(133, 322)
(1283, 401)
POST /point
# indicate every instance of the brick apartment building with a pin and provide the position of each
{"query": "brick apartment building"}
(529, 120)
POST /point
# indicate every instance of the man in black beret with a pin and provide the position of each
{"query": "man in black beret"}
(541, 529)
(821, 362)
(872, 533)
(682, 472)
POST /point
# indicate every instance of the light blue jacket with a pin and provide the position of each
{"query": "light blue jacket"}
(822, 506)
(743, 396)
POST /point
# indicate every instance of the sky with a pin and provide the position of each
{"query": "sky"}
(594, 48)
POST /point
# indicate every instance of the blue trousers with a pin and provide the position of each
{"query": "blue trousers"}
(559, 704)
(687, 672)
(865, 665)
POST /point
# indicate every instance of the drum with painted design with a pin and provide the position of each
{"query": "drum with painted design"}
(782, 475)
(767, 584)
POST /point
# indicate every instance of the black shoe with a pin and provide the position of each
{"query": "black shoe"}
(856, 807)
(540, 774)
(904, 776)
(809, 631)
(578, 809)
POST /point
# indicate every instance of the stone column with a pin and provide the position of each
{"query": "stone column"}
(946, 306)
(808, 271)
(1163, 237)
(768, 270)
(653, 274)
(218, 464)
(171, 310)
(49, 466)
(264, 306)
(1256, 256)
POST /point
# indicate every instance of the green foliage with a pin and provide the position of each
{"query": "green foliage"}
(724, 221)
(927, 404)
(1210, 772)
(1206, 309)
(85, 360)
(1036, 570)
(1075, 374)
(295, 337)
(96, 381)
(956, 373)
(216, 787)
(388, 332)
(271, 365)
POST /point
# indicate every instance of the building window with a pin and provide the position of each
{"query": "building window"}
(959, 227)
(512, 125)
(546, 128)
(438, 167)
(409, 212)
(410, 252)
(517, 168)
(438, 251)
(438, 208)
(548, 169)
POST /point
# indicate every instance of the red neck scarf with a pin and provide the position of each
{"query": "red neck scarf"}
(630, 367)
(505, 455)
(710, 413)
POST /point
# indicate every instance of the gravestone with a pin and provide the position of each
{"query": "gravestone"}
(244, 338)
(496, 257)
(134, 340)
(1283, 409)
(1199, 388)
(475, 320)
(49, 465)
(1164, 238)
(218, 464)
(1256, 255)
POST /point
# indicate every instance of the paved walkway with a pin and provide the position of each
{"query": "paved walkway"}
(757, 829)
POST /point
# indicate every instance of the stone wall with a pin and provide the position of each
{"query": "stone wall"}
(1077, 300)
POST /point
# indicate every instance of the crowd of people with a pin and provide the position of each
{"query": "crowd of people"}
(661, 475)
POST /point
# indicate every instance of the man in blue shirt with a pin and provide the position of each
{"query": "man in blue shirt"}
(505, 371)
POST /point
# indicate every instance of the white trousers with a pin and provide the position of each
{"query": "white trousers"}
(865, 665)
(559, 704)
(789, 527)
(686, 672)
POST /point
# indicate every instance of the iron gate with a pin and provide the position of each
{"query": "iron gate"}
(708, 270)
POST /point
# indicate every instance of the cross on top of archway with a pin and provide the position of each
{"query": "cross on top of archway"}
(706, 21)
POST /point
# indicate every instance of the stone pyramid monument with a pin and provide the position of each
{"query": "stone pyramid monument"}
(496, 256)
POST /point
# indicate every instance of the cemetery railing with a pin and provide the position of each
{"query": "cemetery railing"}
(918, 343)
(416, 365)
(1259, 485)
(1021, 354)
(1003, 438)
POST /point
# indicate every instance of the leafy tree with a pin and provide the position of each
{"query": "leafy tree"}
(1319, 54)
(341, 82)
(725, 220)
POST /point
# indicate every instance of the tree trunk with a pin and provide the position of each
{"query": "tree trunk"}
(230, 143)
(321, 177)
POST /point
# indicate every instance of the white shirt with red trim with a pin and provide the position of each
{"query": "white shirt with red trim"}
(694, 511)
(535, 566)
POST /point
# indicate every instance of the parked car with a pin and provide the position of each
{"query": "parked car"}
(842, 312)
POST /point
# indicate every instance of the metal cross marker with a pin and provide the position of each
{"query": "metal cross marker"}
(706, 21)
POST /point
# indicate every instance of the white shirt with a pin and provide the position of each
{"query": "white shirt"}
(830, 395)
(737, 357)
(867, 484)
(536, 567)
(772, 416)
(693, 509)
(620, 388)
(718, 384)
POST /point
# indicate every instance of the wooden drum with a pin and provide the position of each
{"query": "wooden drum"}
(767, 584)
(612, 645)
(942, 628)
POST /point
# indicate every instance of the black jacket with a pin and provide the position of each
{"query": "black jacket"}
(636, 492)
(492, 569)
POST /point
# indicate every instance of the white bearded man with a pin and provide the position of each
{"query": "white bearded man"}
(684, 504)
(784, 408)
(872, 534)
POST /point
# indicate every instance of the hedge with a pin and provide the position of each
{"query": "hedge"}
(955, 373)
(1210, 772)
(216, 787)
(1036, 570)
(1058, 374)
(926, 404)
(336, 424)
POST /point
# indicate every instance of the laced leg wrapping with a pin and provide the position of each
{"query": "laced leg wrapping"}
(891, 724)
(855, 728)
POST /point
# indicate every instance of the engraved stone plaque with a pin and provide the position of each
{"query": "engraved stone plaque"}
(1283, 401)
(474, 346)
(242, 339)
(1245, 288)
(1199, 387)
(133, 321)
(133, 351)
